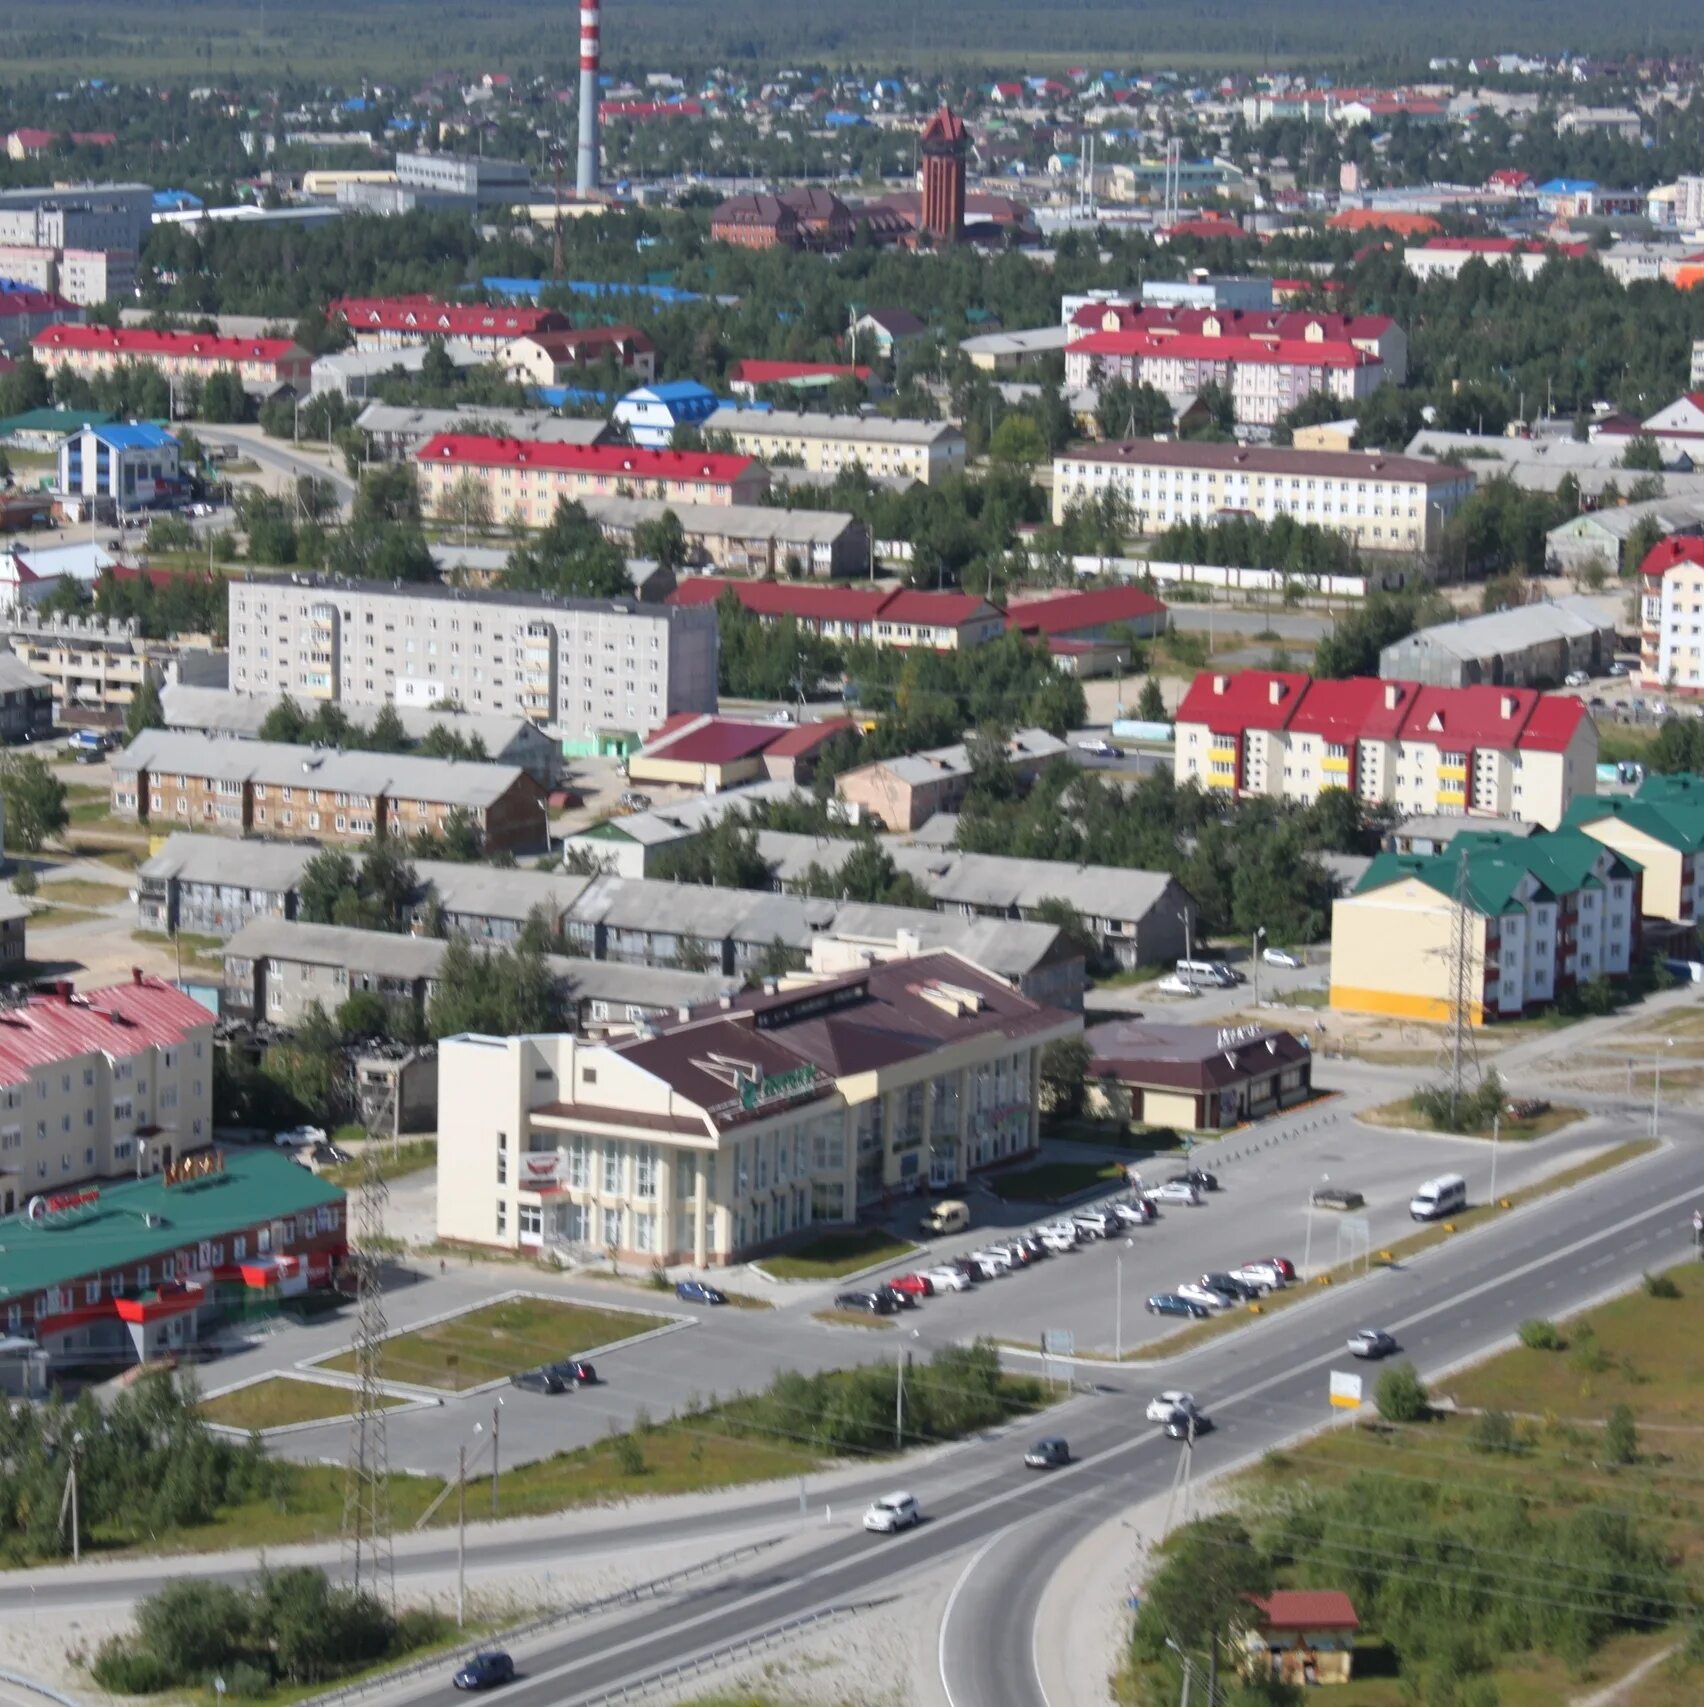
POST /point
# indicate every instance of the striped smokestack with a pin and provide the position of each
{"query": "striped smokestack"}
(586, 174)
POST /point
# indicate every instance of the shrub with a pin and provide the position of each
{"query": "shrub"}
(123, 1670)
(1537, 1334)
(1401, 1395)
(1620, 1436)
(24, 880)
(245, 1681)
(1494, 1431)
(1661, 1286)
(629, 1455)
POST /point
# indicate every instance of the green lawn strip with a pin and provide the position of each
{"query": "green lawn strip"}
(412, 1157)
(1402, 1114)
(51, 918)
(279, 1400)
(852, 1319)
(82, 891)
(206, 953)
(834, 1254)
(1198, 1333)
(1048, 1182)
(498, 1340)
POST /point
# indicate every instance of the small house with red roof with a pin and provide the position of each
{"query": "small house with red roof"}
(704, 752)
(1671, 588)
(749, 375)
(1488, 751)
(1303, 1637)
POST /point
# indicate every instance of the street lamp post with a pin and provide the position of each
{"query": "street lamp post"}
(1118, 1305)
(1496, 1129)
(461, 1534)
(1307, 1249)
(496, 1437)
(1254, 961)
(1657, 1087)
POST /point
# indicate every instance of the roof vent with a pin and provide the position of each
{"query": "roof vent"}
(1509, 705)
(1219, 684)
(1275, 692)
(1392, 694)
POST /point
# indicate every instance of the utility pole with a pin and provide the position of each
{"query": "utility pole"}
(899, 1402)
(461, 1534)
(1254, 961)
(496, 1415)
(366, 1496)
(68, 1505)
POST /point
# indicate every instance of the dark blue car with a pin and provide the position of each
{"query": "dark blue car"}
(486, 1671)
(700, 1292)
(1172, 1304)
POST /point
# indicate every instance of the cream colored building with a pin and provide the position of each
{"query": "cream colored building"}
(722, 1135)
(1381, 503)
(112, 1081)
(1662, 831)
(885, 449)
(1486, 751)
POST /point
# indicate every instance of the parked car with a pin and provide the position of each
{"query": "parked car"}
(1230, 1285)
(1577, 679)
(1264, 1275)
(700, 1292)
(1100, 1222)
(877, 1302)
(1284, 1266)
(1196, 1293)
(1048, 1453)
(947, 1216)
(486, 1671)
(1618, 668)
(574, 1371)
(1100, 749)
(1175, 1191)
(1187, 1425)
(297, 1136)
(538, 1381)
(1172, 1304)
(1198, 1177)
(1056, 1239)
(892, 1513)
(1336, 1197)
(1163, 1404)
(1133, 1211)
(1286, 957)
(1172, 985)
(913, 1285)
(1525, 1108)
(892, 1295)
(992, 1257)
(1371, 1343)
(974, 1269)
(949, 1279)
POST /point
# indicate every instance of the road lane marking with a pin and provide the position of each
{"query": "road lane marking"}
(947, 1612)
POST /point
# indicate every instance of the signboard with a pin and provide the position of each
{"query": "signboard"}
(776, 1087)
(1345, 1390)
(1058, 1342)
(1231, 1035)
(541, 1170)
(39, 1208)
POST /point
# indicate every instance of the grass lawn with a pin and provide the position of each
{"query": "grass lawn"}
(412, 1157)
(82, 892)
(1186, 1339)
(1048, 1182)
(835, 1254)
(280, 1400)
(490, 1343)
(47, 918)
(1402, 1113)
(206, 953)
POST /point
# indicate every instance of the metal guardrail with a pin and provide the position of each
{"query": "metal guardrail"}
(456, 1657)
(714, 1659)
(19, 1681)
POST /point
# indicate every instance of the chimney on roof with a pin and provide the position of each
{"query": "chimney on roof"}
(135, 974)
(1219, 684)
(1392, 694)
(1509, 703)
(1274, 692)
(62, 990)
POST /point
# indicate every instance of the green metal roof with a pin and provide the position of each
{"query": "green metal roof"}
(54, 421)
(1492, 879)
(1676, 821)
(257, 1185)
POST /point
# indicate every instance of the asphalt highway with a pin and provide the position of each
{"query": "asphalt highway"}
(1262, 1386)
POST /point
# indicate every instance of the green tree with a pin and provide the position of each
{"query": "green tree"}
(1199, 1595)
(1018, 442)
(662, 540)
(1643, 452)
(570, 557)
(1064, 1076)
(284, 722)
(506, 992)
(144, 710)
(385, 734)
(363, 1015)
(223, 398)
(466, 504)
(1401, 1395)
(388, 495)
(34, 799)
(326, 879)
(1151, 706)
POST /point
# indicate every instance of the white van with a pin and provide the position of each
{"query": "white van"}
(1212, 972)
(1438, 1197)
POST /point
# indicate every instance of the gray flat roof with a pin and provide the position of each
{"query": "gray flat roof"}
(462, 782)
(268, 867)
(819, 424)
(225, 711)
(16, 674)
(538, 425)
(1010, 947)
(336, 586)
(653, 906)
(495, 892)
(726, 521)
(1504, 631)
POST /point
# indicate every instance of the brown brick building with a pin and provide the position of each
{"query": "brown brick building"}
(305, 793)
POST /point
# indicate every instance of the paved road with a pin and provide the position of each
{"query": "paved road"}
(1262, 1387)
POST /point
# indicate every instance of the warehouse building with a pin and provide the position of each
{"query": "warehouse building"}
(1194, 1078)
(714, 1140)
(1531, 646)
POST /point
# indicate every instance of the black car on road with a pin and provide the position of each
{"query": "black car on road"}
(486, 1671)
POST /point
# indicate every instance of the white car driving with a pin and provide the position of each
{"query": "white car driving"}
(1174, 1191)
(1162, 1405)
(947, 1279)
(1196, 1293)
(892, 1513)
(1286, 957)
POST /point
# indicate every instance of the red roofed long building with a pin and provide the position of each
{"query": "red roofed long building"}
(527, 479)
(87, 1078)
(1444, 257)
(262, 364)
(1263, 377)
(399, 322)
(1488, 751)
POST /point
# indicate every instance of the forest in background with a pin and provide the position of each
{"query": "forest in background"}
(406, 38)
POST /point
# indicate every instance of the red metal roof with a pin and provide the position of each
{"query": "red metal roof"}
(1073, 611)
(140, 342)
(1208, 227)
(1552, 725)
(618, 461)
(28, 300)
(1231, 702)
(1362, 708)
(753, 371)
(1667, 553)
(1293, 352)
(431, 317)
(942, 610)
(1307, 1609)
(713, 741)
(117, 1020)
(945, 126)
(1270, 323)
(805, 738)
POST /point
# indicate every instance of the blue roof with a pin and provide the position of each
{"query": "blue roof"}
(137, 435)
(672, 391)
(166, 201)
(1566, 186)
(530, 289)
(560, 396)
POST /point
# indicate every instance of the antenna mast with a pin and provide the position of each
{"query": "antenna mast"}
(1461, 1048)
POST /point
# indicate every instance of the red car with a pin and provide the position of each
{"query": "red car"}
(1284, 1266)
(913, 1285)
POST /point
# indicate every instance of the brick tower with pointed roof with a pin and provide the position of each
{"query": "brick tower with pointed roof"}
(943, 148)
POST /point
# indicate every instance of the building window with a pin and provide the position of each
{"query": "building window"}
(502, 1219)
(502, 1158)
(612, 1170)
